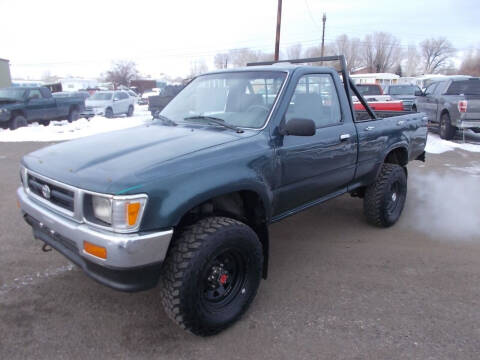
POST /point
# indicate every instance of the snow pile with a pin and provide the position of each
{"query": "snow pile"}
(436, 145)
(63, 130)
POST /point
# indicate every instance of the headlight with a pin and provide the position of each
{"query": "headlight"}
(121, 213)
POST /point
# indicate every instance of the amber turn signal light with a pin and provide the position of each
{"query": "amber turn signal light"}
(132, 213)
(95, 250)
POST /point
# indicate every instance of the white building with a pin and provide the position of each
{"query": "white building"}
(75, 84)
(375, 78)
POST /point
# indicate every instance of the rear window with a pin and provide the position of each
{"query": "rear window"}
(464, 87)
(369, 89)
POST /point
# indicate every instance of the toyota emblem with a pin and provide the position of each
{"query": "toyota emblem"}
(46, 191)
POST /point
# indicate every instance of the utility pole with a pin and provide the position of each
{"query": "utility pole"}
(277, 38)
(324, 20)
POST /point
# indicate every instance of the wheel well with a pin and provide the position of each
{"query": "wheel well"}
(245, 206)
(444, 111)
(16, 113)
(398, 156)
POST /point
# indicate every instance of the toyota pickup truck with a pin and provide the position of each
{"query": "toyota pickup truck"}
(20, 106)
(187, 199)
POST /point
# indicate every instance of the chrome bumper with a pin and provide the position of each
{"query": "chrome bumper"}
(123, 250)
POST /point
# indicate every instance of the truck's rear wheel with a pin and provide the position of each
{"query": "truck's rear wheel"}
(74, 115)
(17, 122)
(211, 274)
(385, 198)
(447, 130)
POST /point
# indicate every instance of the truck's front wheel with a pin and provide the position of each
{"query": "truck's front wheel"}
(211, 274)
(385, 198)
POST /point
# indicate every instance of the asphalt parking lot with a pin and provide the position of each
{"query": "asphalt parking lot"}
(338, 288)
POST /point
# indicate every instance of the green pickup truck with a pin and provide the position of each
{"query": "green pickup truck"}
(20, 106)
(187, 199)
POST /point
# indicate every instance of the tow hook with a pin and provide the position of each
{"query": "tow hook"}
(46, 247)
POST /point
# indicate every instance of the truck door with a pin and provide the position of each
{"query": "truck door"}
(38, 107)
(318, 165)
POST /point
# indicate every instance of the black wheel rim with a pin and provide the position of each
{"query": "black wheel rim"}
(223, 279)
(395, 198)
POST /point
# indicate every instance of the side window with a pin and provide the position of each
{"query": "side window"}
(430, 89)
(123, 95)
(34, 94)
(45, 92)
(315, 98)
(116, 96)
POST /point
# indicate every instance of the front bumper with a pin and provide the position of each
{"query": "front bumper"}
(133, 260)
(92, 112)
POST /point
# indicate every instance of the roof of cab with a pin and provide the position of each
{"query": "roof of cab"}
(275, 67)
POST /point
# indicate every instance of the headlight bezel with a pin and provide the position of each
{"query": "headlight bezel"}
(118, 204)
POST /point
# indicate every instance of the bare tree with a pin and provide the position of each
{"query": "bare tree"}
(221, 60)
(343, 45)
(122, 72)
(242, 56)
(436, 54)
(197, 67)
(471, 64)
(294, 51)
(381, 51)
(412, 61)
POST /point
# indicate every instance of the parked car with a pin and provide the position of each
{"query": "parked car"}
(372, 92)
(404, 92)
(109, 104)
(21, 105)
(143, 100)
(187, 199)
(156, 103)
(381, 106)
(451, 104)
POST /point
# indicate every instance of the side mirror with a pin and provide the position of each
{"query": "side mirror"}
(299, 127)
(419, 93)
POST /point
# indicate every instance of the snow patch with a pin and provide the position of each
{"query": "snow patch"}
(32, 279)
(436, 145)
(63, 130)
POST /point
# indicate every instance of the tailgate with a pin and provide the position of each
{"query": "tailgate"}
(473, 107)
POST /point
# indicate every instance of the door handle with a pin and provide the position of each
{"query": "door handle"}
(344, 137)
(401, 122)
(369, 128)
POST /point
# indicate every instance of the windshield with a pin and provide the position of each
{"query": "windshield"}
(464, 87)
(242, 99)
(14, 94)
(402, 90)
(369, 89)
(101, 96)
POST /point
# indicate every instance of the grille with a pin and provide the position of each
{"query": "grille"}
(59, 196)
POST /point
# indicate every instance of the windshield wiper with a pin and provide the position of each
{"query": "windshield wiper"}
(214, 120)
(164, 119)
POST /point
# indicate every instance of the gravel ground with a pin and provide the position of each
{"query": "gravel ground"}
(337, 289)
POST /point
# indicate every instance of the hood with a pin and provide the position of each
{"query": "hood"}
(116, 160)
(97, 103)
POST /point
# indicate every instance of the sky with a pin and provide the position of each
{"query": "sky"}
(83, 38)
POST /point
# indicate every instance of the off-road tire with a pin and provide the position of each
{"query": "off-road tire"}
(109, 113)
(73, 115)
(379, 196)
(447, 130)
(188, 261)
(17, 121)
(130, 111)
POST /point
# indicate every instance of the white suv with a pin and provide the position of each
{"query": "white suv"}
(109, 104)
